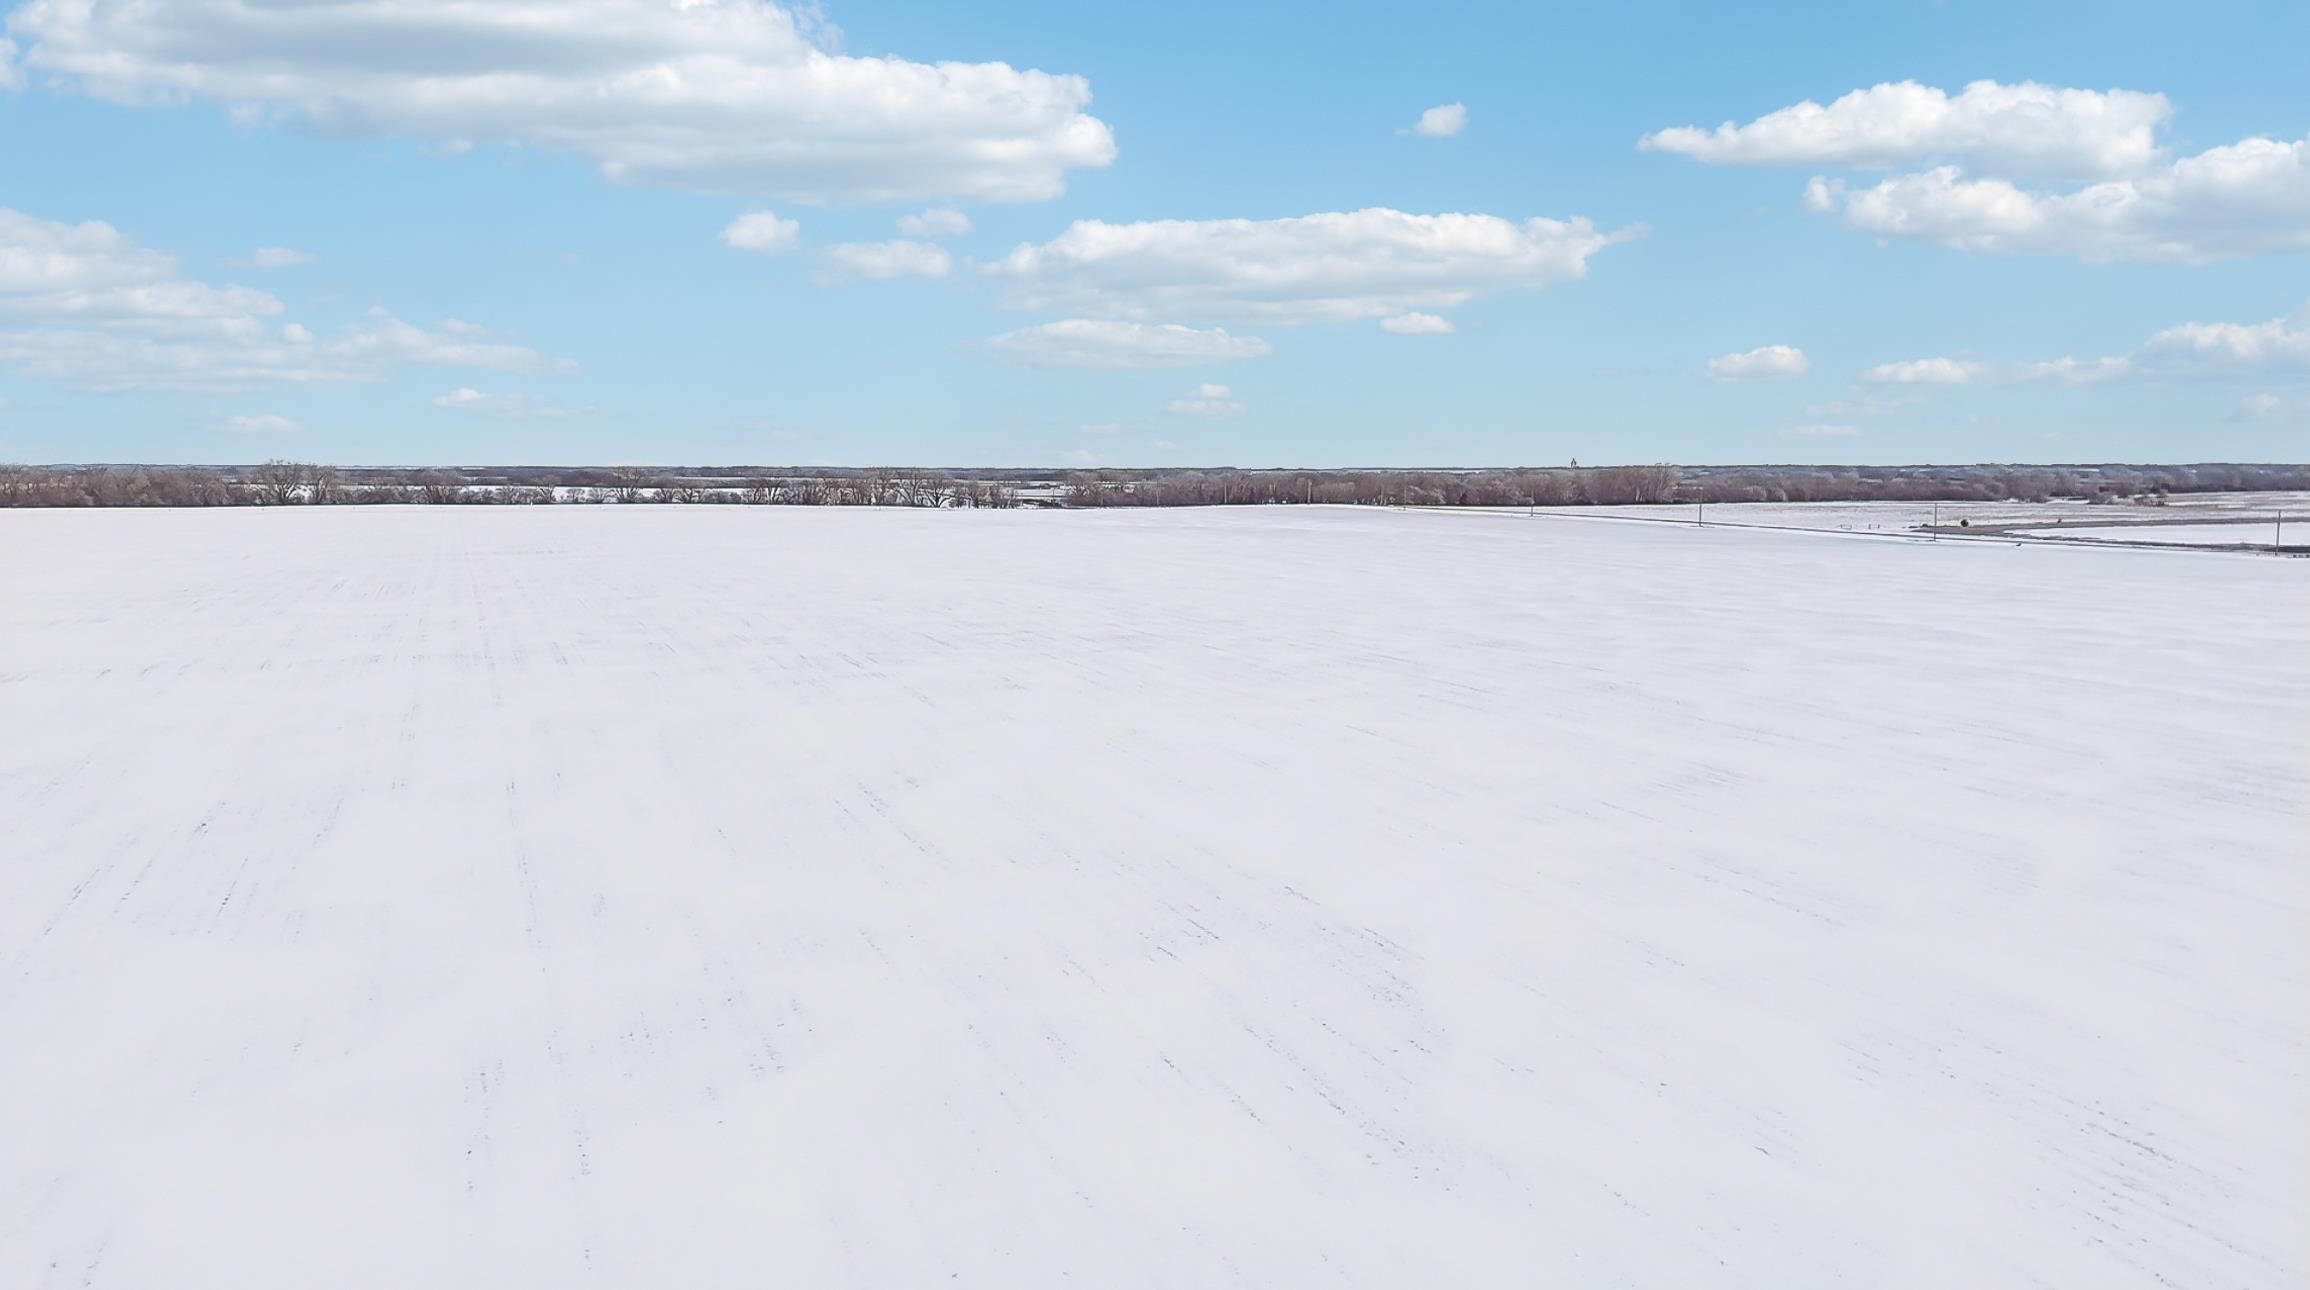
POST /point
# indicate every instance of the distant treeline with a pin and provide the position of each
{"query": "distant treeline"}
(289, 483)
(286, 483)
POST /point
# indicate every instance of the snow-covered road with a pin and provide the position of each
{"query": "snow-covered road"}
(743, 897)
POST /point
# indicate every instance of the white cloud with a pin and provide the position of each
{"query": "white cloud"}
(456, 344)
(273, 257)
(1442, 122)
(1765, 361)
(51, 270)
(1418, 324)
(1954, 371)
(1927, 371)
(1992, 150)
(1101, 427)
(1209, 402)
(722, 95)
(1338, 266)
(2256, 407)
(467, 399)
(2191, 350)
(83, 305)
(939, 221)
(2074, 371)
(1163, 445)
(2248, 198)
(1824, 431)
(11, 76)
(2025, 129)
(2278, 342)
(1083, 455)
(1104, 342)
(762, 231)
(880, 261)
(266, 423)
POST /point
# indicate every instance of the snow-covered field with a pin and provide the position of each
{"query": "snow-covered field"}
(1896, 516)
(720, 896)
(2259, 532)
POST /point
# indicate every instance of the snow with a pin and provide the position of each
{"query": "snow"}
(725, 896)
(1893, 517)
(2262, 533)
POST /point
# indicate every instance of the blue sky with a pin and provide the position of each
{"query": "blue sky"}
(2033, 269)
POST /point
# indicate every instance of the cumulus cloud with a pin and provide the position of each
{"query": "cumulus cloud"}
(2247, 198)
(2280, 342)
(83, 305)
(467, 399)
(1418, 324)
(1101, 427)
(11, 76)
(762, 231)
(880, 261)
(1442, 122)
(1927, 371)
(1824, 430)
(721, 95)
(266, 423)
(1336, 267)
(1163, 445)
(1105, 342)
(1763, 362)
(2193, 350)
(937, 222)
(1994, 157)
(1209, 402)
(2025, 129)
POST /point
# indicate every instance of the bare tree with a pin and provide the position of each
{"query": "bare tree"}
(323, 485)
(439, 488)
(280, 483)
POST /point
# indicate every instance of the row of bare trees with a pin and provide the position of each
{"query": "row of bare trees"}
(1598, 486)
(1989, 483)
(287, 483)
